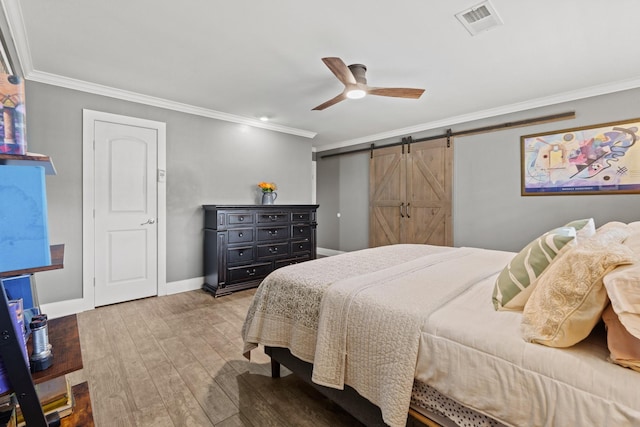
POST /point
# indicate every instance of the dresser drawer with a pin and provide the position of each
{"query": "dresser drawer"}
(273, 251)
(243, 255)
(299, 246)
(273, 233)
(249, 272)
(240, 235)
(237, 218)
(273, 217)
(300, 217)
(300, 231)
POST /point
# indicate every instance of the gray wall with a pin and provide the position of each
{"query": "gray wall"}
(344, 189)
(208, 161)
(488, 210)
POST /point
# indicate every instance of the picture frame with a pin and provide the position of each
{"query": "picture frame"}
(596, 159)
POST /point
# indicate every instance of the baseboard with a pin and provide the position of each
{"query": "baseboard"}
(184, 285)
(64, 308)
(328, 252)
(74, 306)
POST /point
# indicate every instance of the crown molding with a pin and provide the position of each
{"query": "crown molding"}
(492, 112)
(13, 14)
(15, 20)
(97, 89)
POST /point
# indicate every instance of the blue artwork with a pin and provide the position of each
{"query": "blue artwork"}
(24, 239)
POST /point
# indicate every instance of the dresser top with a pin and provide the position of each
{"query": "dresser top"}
(216, 207)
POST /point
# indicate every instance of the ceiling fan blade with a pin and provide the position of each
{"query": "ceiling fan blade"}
(340, 69)
(331, 102)
(397, 92)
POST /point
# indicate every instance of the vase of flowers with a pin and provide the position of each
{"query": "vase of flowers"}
(269, 194)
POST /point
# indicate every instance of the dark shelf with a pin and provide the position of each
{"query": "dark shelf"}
(65, 342)
(57, 262)
(82, 414)
(29, 159)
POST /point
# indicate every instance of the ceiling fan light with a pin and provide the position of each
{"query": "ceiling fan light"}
(356, 94)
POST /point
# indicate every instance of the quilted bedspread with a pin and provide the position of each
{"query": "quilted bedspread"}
(357, 317)
(286, 307)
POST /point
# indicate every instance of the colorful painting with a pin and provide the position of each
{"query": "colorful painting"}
(12, 115)
(596, 159)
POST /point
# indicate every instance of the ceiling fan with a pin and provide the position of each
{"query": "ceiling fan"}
(355, 84)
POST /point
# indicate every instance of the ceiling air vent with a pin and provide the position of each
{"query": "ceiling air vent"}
(479, 18)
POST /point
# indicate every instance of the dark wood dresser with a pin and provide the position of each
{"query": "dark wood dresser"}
(244, 243)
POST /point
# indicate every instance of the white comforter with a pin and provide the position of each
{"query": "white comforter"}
(366, 331)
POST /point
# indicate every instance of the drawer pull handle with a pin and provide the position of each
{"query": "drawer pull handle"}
(273, 249)
(273, 232)
(240, 234)
(241, 218)
(251, 272)
(300, 247)
(241, 253)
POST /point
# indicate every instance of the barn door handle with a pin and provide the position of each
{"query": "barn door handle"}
(408, 211)
(402, 210)
(149, 221)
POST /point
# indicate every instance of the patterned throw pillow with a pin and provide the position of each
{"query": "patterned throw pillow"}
(569, 297)
(512, 288)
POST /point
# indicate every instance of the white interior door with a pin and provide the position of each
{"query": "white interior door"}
(126, 212)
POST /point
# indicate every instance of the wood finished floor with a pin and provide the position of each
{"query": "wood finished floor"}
(176, 361)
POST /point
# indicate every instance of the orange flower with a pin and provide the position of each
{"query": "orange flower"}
(267, 187)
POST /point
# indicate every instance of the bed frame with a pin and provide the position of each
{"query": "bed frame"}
(348, 399)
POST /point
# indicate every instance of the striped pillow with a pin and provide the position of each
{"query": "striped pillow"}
(512, 289)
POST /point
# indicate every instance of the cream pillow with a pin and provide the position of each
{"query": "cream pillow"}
(633, 241)
(614, 232)
(624, 347)
(569, 297)
(512, 289)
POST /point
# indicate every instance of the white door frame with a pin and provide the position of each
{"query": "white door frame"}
(88, 199)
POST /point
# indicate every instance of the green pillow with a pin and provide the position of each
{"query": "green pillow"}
(512, 289)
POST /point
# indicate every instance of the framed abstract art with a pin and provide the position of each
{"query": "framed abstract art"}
(598, 159)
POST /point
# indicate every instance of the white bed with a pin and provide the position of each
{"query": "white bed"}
(476, 356)
(378, 319)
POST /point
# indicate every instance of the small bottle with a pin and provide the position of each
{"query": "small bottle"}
(41, 356)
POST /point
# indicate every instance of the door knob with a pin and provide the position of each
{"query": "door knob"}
(149, 221)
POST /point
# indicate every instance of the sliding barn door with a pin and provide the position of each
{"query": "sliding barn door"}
(410, 194)
(387, 184)
(429, 193)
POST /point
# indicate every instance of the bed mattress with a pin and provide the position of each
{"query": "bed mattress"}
(476, 356)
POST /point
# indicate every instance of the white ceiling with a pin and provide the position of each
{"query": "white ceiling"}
(238, 60)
